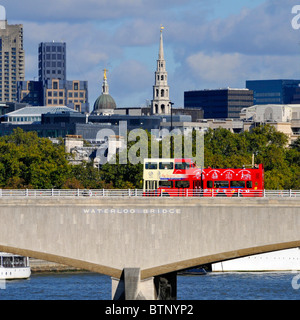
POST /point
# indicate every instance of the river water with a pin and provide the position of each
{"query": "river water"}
(212, 286)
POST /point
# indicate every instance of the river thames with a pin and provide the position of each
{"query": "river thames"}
(212, 286)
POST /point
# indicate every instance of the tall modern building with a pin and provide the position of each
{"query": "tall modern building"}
(12, 58)
(52, 61)
(220, 103)
(53, 88)
(277, 91)
(161, 94)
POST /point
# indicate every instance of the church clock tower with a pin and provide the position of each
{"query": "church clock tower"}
(161, 101)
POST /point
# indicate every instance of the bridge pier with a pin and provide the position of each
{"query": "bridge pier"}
(131, 287)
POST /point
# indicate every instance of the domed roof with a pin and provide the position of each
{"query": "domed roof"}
(104, 102)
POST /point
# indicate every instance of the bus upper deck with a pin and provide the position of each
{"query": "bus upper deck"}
(157, 169)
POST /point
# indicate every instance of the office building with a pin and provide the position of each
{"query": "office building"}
(53, 88)
(30, 92)
(220, 103)
(73, 94)
(52, 61)
(12, 58)
(275, 91)
(283, 117)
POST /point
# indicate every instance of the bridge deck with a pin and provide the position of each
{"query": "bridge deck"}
(157, 235)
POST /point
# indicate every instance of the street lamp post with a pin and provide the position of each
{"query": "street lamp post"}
(171, 104)
(172, 149)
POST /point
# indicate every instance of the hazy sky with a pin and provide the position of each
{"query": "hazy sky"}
(208, 43)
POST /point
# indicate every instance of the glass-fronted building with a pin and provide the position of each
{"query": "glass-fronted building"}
(220, 103)
(280, 91)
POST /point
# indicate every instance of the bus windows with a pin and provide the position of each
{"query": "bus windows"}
(166, 184)
(217, 184)
(182, 165)
(151, 165)
(209, 184)
(249, 184)
(166, 165)
(182, 184)
(197, 184)
(221, 184)
(237, 184)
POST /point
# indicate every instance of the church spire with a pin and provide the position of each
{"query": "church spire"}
(161, 101)
(161, 45)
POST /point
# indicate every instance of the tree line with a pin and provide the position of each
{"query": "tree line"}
(28, 161)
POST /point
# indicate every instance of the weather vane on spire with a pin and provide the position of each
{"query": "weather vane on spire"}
(105, 76)
(161, 28)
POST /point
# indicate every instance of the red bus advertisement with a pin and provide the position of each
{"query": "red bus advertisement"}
(181, 178)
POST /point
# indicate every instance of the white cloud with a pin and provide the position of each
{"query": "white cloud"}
(88, 48)
(131, 81)
(65, 10)
(122, 35)
(79, 10)
(215, 67)
(231, 69)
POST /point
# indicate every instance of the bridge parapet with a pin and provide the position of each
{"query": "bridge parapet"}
(137, 193)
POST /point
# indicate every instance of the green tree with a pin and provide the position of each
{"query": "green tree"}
(31, 162)
(27, 161)
(270, 147)
(86, 176)
(122, 176)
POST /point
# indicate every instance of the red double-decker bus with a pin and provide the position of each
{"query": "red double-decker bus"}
(180, 177)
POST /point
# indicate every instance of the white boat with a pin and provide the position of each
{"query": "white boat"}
(14, 266)
(283, 260)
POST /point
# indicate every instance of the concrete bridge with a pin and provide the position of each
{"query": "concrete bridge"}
(142, 242)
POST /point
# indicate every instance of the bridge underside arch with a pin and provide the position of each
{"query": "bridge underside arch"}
(84, 265)
(155, 271)
(218, 257)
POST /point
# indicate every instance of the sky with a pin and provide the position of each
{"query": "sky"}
(208, 44)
